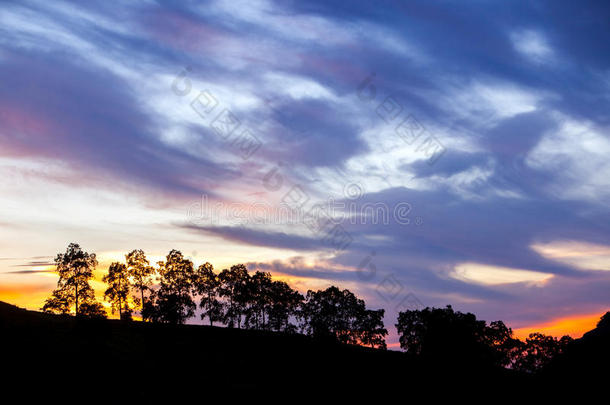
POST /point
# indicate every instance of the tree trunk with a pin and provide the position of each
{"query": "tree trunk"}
(231, 309)
(120, 303)
(210, 307)
(76, 300)
(142, 303)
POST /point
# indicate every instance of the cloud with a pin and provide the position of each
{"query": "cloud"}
(578, 150)
(582, 255)
(488, 102)
(56, 109)
(298, 267)
(29, 271)
(35, 263)
(533, 45)
(311, 136)
(249, 236)
(491, 275)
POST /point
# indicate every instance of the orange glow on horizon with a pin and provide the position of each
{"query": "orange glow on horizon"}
(28, 296)
(574, 326)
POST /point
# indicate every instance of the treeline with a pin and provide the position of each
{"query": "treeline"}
(171, 291)
(444, 335)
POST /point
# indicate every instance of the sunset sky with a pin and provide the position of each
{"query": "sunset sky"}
(462, 146)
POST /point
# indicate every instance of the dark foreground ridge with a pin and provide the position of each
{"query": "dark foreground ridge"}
(111, 358)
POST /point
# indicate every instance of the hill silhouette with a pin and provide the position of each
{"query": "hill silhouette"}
(585, 362)
(162, 361)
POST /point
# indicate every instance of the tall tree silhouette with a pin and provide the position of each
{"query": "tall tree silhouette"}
(207, 283)
(508, 349)
(539, 350)
(117, 292)
(285, 304)
(141, 274)
(258, 299)
(442, 334)
(75, 268)
(234, 288)
(371, 331)
(173, 301)
(339, 314)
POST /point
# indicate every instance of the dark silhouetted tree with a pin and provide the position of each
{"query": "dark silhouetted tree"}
(140, 273)
(75, 268)
(339, 314)
(539, 350)
(329, 313)
(442, 333)
(92, 309)
(173, 301)
(59, 302)
(371, 331)
(507, 348)
(234, 288)
(413, 329)
(117, 292)
(150, 310)
(258, 300)
(452, 337)
(285, 304)
(207, 283)
(604, 321)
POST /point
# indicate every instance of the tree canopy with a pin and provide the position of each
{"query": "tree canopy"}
(442, 334)
(340, 315)
(140, 274)
(173, 301)
(118, 289)
(206, 285)
(75, 268)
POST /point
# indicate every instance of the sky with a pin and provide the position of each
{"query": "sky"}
(417, 153)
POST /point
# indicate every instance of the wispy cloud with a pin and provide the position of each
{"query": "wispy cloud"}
(95, 144)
